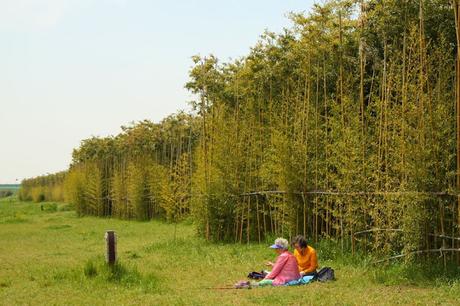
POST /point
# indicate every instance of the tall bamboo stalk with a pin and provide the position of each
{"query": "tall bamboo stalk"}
(456, 4)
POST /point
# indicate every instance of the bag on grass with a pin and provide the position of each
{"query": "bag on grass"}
(325, 274)
(257, 275)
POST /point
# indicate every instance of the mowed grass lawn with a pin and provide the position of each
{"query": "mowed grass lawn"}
(53, 257)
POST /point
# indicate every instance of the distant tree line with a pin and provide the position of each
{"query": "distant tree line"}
(344, 122)
(43, 188)
(5, 193)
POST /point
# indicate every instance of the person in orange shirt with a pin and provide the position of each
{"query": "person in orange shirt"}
(307, 259)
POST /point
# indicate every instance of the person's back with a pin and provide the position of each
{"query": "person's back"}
(284, 270)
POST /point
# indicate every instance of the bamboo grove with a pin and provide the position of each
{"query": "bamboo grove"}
(143, 172)
(346, 122)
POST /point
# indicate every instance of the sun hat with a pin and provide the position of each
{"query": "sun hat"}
(280, 243)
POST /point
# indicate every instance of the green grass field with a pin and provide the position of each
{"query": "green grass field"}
(53, 257)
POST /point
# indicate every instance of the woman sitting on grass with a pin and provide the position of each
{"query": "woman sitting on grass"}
(305, 255)
(285, 268)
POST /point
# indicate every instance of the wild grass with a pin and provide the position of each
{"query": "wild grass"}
(55, 257)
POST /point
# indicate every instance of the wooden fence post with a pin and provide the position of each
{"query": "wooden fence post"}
(110, 239)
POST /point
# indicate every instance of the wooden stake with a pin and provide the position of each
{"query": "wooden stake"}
(111, 254)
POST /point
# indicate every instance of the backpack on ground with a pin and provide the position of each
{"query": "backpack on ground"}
(257, 275)
(325, 274)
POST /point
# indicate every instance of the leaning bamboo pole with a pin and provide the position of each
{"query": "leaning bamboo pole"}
(354, 193)
(440, 250)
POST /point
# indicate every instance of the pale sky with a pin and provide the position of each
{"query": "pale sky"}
(72, 69)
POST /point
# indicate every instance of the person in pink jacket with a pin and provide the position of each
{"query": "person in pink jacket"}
(285, 268)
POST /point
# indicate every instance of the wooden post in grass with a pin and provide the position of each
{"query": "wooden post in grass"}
(110, 239)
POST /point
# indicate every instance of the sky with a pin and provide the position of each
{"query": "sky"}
(73, 69)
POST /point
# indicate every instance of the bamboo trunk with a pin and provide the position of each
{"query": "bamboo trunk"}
(456, 4)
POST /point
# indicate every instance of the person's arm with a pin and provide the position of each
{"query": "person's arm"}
(269, 264)
(313, 263)
(279, 264)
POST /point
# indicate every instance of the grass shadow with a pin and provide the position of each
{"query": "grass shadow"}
(58, 227)
(423, 272)
(121, 274)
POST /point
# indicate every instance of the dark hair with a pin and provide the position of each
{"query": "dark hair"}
(300, 240)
